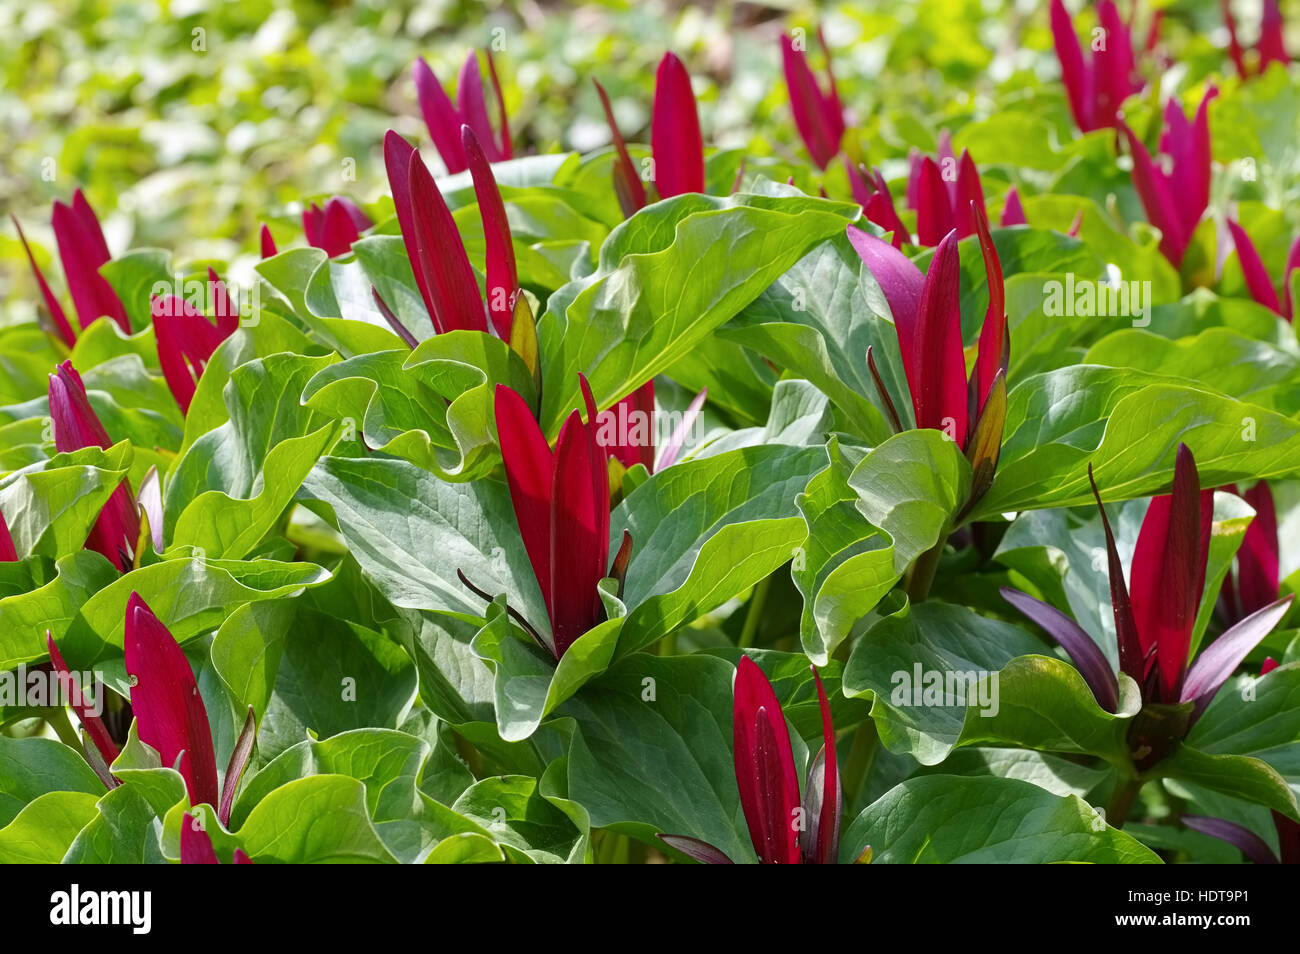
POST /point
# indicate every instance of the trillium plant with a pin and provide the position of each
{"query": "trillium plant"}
(659, 455)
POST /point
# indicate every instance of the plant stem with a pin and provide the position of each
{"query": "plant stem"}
(1121, 801)
(755, 612)
(923, 570)
(862, 755)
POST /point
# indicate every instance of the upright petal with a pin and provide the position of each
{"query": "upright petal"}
(268, 248)
(970, 195)
(1073, 69)
(632, 420)
(530, 475)
(1221, 658)
(1013, 213)
(440, 256)
(765, 772)
(1270, 46)
(878, 204)
(57, 317)
(472, 105)
(505, 149)
(196, 844)
(902, 284)
(1132, 657)
(8, 553)
(397, 163)
(169, 712)
(934, 217)
(83, 251)
(1168, 573)
(1234, 45)
(941, 401)
(1112, 66)
(806, 102)
(1257, 281)
(1258, 558)
(1190, 179)
(502, 275)
(90, 721)
(995, 340)
(579, 551)
(627, 184)
(1292, 263)
(440, 116)
(675, 131)
(1157, 199)
(823, 798)
(338, 230)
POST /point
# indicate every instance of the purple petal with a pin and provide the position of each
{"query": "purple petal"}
(1085, 653)
(1222, 657)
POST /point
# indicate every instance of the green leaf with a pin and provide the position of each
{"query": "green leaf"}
(31, 767)
(42, 832)
(320, 819)
(942, 819)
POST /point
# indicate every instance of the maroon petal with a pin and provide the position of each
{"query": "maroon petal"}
(440, 256)
(337, 230)
(941, 402)
(169, 712)
(1240, 837)
(185, 340)
(505, 149)
(821, 839)
(1234, 45)
(92, 723)
(1271, 48)
(60, 320)
(627, 184)
(1268, 666)
(1132, 655)
(397, 162)
(969, 193)
(994, 341)
(473, 106)
(196, 845)
(7, 552)
(440, 116)
(1292, 263)
(1086, 654)
(806, 102)
(1257, 281)
(878, 204)
(675, 131)
(579, 551)
(701, 851)
(1073, 69)
(502, 276)
(83, 251)
(1013, 213)
(1157, 199)
(1113, 67)
(934, 210)
(765, 773)
(241, 858)
(1258, 558)
(632, 420)
(530, 474)
(1221, 658)
(268, 243)
(1168, 572)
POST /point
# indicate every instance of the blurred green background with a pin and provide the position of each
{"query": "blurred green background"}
(190, 122)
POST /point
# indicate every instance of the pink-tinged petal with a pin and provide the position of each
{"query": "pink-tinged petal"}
(440, 116)
(1234, 45)
(994, 341)
(832, 108)
(947, 162)
(1257, 280)
(8, 554)
(169, 712)
(632, 421)
(1240, 837)
(61, 325)
(75, 423)
(696, 849)
(337, 230)
(313, 225)
(1013, 213)
(941, 402)
(530, 474)
(902, 284)
(1268, 665)
(1271, 47)
(83, 251)
(1292, 263)
(1190, 181)
(92, 723)
(765, 772)
(807, 104)
(1221, 658)
(1258, 559)
(627, 184)
(502, 276)
(1082, 650)
(356, 214)
(505, 149)
(599, 459)
(878, 204)
(1157, 199)
(1113, 67)
(224, 310)
(1132, 657)
(1153, 34)
(577, 561)
(196, 845)
(672, 450)
(241, 858)
(969, 192)
(170, 315)
(1073, 70)
(675, 131)
(440, 255)
(268, 248)
(397, 162)
(472, 105)
(1168, 572)
(934, 211)
(823, 810)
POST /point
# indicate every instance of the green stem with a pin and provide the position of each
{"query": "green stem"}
(755, 612)
(1121, 801)
(862, 755)
(923, 570)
